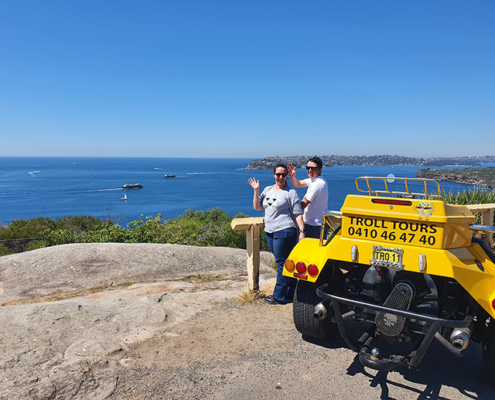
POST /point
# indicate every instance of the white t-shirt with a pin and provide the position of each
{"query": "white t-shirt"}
(317, 195)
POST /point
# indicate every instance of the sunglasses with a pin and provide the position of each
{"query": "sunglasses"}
(280, 175)
(311, 168)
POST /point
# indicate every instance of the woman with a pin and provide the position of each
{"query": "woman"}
(283, 215)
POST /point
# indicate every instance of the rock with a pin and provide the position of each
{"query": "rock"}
(71, 267)
(71, 348)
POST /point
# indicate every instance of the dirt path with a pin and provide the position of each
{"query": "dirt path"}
(254, 352)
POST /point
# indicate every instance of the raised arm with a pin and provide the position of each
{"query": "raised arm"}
(295, 182)
(256, 196)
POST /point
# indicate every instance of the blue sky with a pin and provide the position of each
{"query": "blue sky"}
(247, 78)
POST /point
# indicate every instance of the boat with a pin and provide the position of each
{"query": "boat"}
(169, 176)
(132, 186)
(124, 198)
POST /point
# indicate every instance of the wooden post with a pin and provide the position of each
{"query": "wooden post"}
(487, 219)
(486, 211)
(252, 227)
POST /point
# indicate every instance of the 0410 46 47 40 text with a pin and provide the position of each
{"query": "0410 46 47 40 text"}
(406, 232)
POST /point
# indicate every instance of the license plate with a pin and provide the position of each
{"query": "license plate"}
(387, 257)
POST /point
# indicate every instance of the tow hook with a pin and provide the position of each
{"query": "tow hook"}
(373, 361)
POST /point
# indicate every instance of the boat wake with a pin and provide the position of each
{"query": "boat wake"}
(32, 173)
(101, 190)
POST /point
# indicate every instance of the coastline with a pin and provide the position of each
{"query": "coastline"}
(378, 160)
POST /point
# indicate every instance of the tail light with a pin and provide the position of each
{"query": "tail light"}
(313, 270)
(301, 267)
(392, 202)
(289, 265)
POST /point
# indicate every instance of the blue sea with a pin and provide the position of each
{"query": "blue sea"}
(54, 187)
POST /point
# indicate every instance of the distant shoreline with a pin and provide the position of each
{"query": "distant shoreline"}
(330, 161)
(469, 176)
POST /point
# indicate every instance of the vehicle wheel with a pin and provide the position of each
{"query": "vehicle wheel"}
(305, 300)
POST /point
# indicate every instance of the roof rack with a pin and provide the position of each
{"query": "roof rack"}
(407, 182)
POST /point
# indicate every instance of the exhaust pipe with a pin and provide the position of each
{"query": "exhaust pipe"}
(460, 337)
(320, 312)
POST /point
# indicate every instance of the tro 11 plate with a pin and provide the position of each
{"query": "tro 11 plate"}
(387, 257)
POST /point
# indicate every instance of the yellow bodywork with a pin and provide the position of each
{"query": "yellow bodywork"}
(430, 230)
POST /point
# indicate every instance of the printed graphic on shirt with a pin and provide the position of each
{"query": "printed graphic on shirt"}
(271, 201)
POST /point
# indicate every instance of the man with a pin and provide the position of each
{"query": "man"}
(315, 202)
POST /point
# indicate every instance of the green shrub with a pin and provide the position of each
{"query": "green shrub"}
(35, 245)
(210, 227)
(477, 195)
(27, 228)
(4, 250)
(43, 226)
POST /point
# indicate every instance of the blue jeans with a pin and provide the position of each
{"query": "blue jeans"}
(281, 244)
(312, 231)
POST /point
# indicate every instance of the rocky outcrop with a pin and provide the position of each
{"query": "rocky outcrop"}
(468, 176)
(70, 348)
(453, 178)
(72, 267)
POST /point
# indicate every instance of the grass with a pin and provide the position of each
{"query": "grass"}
(45, 299)
(204, 278)
(249, 297)
(96, 289)
(126, 284)
(63, 295)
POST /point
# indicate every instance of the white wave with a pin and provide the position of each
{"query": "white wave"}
(157, 168)
(33, 172)
(198, 173)
(102, 190)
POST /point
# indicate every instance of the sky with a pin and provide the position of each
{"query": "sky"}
(247, 78)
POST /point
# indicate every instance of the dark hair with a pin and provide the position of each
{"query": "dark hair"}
(317, 161)
(280, 166)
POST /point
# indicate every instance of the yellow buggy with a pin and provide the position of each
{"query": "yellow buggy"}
(397, 268)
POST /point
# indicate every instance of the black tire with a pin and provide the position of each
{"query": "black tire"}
(305, 300)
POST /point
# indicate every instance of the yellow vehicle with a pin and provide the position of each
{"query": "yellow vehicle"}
(396, 269)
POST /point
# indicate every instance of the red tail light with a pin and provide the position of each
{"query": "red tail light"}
(313, 270)
(301, 267)
(392, 202)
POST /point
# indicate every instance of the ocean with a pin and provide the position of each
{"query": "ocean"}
(54, 187)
